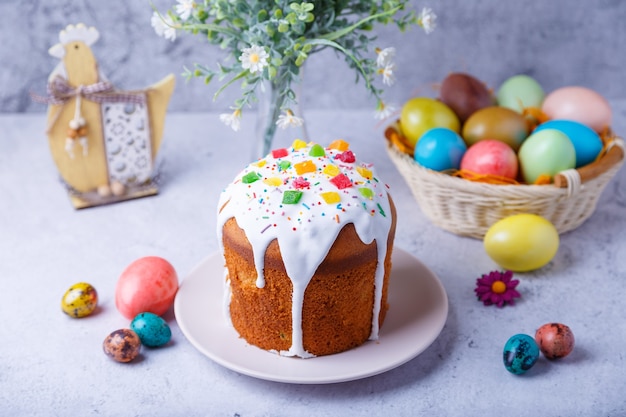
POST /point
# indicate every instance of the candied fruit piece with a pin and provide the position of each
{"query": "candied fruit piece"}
(331, 197)
(291, 197)
(250, 177)
(284, 165)
(260, 163)
(300, 183)
(280, 153)
(274, 181)
(331, 170)
(341, 181)
(304, 167)
(339, 144)
(367, 193)
(298, 144)
(347, 157)
(365, 173)
(317, 151)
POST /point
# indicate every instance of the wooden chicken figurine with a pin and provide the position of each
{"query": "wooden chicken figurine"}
(103, 141)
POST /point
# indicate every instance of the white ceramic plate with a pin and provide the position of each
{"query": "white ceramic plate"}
(417, 313)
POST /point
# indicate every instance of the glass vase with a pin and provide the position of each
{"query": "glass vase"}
(271, 104)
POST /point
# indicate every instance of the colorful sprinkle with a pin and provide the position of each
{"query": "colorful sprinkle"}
(380, 210)
(266, 227)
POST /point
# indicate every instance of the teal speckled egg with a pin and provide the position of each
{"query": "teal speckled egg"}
(152, 330)
(520, 353)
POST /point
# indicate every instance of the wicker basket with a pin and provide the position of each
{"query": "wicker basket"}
(469, 208)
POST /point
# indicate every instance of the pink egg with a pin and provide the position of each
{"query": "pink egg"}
(491, 157)
(579, 104)
(555, 340)
(148, 284)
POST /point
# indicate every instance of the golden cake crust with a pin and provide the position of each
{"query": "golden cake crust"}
(338, 303)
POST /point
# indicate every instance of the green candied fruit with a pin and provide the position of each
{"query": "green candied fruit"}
(250, 177)
(367, 193)
(317, 150)
(291, 197)
(284, 165)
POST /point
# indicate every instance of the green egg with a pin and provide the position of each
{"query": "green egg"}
(546, 153)
(520, 92)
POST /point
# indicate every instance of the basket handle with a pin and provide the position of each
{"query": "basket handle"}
(613, 156)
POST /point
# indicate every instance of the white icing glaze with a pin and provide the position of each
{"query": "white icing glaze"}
(306, 230)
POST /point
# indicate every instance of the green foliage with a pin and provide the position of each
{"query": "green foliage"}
(290, 32)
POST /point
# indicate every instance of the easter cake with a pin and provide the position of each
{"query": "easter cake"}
(307, 234)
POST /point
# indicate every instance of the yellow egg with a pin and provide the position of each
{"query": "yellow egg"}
(522, 242)
(79, 300)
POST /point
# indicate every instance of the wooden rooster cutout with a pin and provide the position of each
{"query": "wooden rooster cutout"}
(103, 141)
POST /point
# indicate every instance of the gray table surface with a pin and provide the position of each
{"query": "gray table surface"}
(51, 364)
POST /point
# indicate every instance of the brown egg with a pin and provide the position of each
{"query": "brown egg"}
(498, 123)
(464, 94)
(122, 345)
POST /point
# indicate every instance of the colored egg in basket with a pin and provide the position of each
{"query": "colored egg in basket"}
(566, 153)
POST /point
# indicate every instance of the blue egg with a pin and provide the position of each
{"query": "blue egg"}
(152, 330)
(440, 149)
(520, 353)
(586, 141)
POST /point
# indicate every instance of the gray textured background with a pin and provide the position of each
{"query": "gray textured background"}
(559, 42)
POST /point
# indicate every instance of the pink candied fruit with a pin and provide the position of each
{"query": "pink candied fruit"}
(346, 156)
(300, 183)
(341, 181)
(279, 153)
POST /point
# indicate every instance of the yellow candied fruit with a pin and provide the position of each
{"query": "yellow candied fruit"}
(331, 197)
(273, 181)
(365, 173)
(304, 167)
(298, 144)
(260, 163)
(331, 170)
(339, 144)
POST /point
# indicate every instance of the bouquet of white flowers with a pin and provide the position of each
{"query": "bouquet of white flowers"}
(270, 41)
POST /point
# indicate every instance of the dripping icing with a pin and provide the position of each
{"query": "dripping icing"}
(321, 201)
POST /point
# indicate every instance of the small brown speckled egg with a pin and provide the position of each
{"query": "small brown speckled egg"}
(122, 345)
(555, 340)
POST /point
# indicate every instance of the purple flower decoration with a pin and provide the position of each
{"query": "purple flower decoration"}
(497, 288)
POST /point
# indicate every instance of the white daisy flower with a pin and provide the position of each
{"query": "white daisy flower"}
(385, 56)
(163, 26)
(427, 20)
(184, 8)
(254, 58)
(387, 72)
(383, 110)
(233, 120)
(288, 119)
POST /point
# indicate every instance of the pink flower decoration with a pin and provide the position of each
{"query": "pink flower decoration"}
(497, 288)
